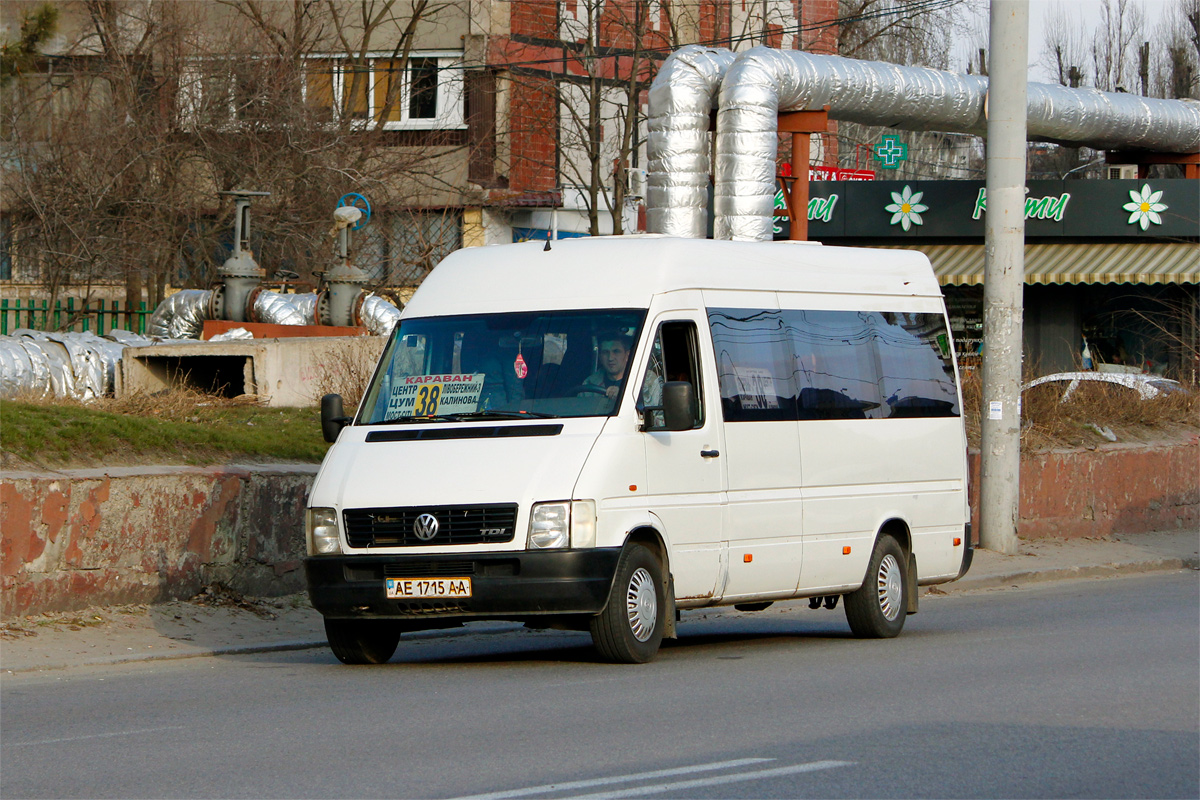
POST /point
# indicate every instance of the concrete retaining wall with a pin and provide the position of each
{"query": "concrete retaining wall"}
(143, 535)
(1118, 488)
(98, 537)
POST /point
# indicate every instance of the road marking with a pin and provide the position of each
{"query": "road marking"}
(714, 781)
(662, 773)
(96, 736)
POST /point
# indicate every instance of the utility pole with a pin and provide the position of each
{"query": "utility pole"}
(1004, 276)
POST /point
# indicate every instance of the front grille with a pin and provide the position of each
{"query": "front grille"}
(429, 569)
(394, 527)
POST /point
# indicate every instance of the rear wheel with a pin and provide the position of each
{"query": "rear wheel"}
(877, 609)
(362, 641)
(630, 628)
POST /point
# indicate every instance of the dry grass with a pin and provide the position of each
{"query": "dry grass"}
(1047, 423)
(346, 370)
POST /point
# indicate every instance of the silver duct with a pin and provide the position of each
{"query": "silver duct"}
(681, 100)
(764, 81)
(39, 364)
(180, 316)
(1108, 120)
(285, 309)
(378, 315)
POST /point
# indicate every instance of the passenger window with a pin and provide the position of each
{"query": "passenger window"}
(916, 364)
(674, 356)
(837, 367)
(754, 364)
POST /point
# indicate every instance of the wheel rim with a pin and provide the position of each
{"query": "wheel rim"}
(641, 604)
(891, 587)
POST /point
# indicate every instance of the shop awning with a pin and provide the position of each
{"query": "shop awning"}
(1134, 262)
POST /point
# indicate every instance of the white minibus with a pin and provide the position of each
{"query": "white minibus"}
(594, 433)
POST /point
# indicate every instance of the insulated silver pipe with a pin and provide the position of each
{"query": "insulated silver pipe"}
(682, 98)
(762, 82)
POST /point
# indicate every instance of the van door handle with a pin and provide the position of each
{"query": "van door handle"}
(709, 453)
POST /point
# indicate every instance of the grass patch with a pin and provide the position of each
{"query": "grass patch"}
(177, 427)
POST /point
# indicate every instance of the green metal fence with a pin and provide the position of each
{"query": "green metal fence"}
(98, 316)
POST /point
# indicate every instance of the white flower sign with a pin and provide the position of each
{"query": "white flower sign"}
(906, 208)
(1145, 207)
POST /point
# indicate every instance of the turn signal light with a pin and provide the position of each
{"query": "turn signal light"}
(633, 487)
(957, 541)
(747, 558)
(845, 551)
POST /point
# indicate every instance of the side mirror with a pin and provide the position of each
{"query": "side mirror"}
(679, 406)
(333, 418)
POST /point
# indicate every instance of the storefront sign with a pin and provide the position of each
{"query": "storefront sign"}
(1092, 209)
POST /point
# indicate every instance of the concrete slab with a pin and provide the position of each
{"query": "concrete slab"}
(280, 372)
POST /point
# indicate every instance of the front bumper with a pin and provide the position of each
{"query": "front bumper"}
(510, 585)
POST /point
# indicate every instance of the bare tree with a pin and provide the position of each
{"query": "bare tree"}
(1175, 51)
(1114, 46)
(608, 52)
(1065, 51)
(124, 140)
(920, 33)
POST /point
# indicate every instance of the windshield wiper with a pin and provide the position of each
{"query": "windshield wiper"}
(466, 416)
(504, 415)
(407, 420)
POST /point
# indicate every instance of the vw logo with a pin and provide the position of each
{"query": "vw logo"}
(425, 527)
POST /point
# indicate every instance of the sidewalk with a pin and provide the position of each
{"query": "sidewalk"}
(224, 626)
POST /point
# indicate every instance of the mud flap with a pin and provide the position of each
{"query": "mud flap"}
(915, 594)
(671, 613)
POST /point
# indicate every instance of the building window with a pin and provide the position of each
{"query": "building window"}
(427, 93)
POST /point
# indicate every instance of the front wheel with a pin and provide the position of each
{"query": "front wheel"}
(630, 628)
(877, 609)
(362, 641)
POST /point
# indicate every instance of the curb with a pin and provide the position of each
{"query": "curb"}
(139, 658)
(967, 583)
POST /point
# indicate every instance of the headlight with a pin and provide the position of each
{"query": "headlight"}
(559, 525)
(322, 531)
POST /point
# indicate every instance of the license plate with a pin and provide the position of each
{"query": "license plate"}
(403, 588)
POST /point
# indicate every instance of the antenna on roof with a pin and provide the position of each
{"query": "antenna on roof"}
(547, 247)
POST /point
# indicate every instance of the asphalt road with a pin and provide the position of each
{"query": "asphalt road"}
(1086, 688)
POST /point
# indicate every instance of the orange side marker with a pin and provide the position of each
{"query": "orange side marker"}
(747, 558)
(633, 487)
(957, 541)
(845, 551)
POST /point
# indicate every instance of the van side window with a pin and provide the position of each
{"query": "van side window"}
(917, 365)
(837, 365)
(754, 364)
(674, 356)
(795, 364)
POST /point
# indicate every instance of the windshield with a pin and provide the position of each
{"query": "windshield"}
(504, 366)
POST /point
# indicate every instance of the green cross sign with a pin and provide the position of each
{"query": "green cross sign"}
(890, 152)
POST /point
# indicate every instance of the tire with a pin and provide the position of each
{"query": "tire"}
(362, 641)
(877, 609)
(630, 628)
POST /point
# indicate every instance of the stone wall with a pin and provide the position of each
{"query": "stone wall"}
(142, 535)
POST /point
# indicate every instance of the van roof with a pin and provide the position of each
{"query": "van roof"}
(627, 271)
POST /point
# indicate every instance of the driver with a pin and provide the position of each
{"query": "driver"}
(614, 361)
